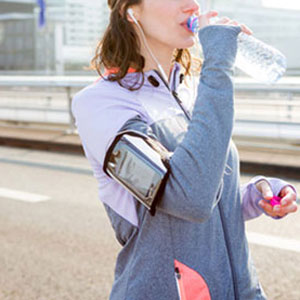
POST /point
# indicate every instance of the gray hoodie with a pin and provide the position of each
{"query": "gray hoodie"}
(195, 246)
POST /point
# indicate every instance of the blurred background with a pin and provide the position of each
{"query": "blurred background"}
(65, 44)
(55, 239)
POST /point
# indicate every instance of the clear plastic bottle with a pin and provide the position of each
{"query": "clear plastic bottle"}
(257, 59)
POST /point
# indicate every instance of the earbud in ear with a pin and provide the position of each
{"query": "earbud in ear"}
(131, 14)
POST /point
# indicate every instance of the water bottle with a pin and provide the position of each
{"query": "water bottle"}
(257, 59)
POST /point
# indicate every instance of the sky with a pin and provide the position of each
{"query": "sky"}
(289, 4)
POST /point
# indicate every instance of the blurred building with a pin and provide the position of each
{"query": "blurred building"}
(72, 30)
(277, 27)
(17, 37)
(84, 24)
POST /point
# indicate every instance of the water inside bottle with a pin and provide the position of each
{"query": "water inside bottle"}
(259, 60)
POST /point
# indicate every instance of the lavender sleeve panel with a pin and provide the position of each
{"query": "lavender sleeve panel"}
(251, 196)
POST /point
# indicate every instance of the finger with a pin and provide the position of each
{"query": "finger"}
(223, 20)
(277, 210)
(204, 18)
(280, 210)
(279, 214)
(287, 193)
(211, 14)
(286, 190)
(264, 187)
(268, 208)
(233, 22)
(288, 200)
(246, 29)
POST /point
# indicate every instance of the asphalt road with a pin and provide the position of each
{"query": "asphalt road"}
(62, 247)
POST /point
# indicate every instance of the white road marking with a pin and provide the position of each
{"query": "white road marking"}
(51, 166)
(274, 242)
(22, 196)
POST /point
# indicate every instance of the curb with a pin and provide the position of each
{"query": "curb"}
(42, 145)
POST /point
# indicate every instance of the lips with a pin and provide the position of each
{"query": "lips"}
(185, 26)
(184, 22)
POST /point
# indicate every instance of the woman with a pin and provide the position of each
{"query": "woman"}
(162, 153)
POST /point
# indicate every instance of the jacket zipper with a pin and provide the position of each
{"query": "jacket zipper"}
(187, 114)
(179, 283)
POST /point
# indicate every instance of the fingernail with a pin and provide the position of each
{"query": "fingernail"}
(283, 202)
(277, 208)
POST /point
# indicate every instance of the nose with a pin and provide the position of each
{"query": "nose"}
(191, 6)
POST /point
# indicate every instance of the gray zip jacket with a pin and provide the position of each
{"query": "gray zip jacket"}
(195, 246)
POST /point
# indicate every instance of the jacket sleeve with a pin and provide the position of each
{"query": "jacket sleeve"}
(197, 164)
(251, 196)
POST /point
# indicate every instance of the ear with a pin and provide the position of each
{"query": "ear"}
(131, 15)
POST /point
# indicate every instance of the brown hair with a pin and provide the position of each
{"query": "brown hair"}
(120, 46)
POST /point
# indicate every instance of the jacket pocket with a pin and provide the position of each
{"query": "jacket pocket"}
(190, 284)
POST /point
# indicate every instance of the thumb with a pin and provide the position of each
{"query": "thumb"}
(267, 191)
(204, 18)
(265, 188)
(211, 14)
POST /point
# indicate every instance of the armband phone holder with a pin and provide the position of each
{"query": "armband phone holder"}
(140, 165)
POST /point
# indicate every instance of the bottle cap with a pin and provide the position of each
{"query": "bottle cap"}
(193, 23)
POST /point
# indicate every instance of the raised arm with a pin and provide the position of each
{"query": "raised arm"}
(198, 163)
(196, 168)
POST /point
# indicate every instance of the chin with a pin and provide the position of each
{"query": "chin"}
(188, 43)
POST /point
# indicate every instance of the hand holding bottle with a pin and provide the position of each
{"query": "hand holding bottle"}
(195, 23)
(259, 60)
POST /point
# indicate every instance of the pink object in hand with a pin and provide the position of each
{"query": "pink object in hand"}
(275, 200)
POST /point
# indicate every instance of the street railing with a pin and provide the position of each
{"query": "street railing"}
(271, 111)
(15, 89)
(268, 111)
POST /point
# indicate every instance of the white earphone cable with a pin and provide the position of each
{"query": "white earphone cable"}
(161, 70)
